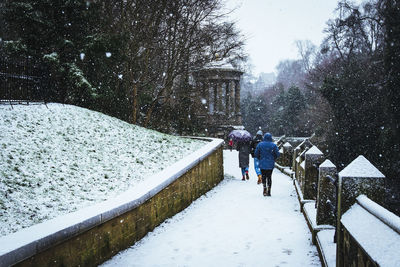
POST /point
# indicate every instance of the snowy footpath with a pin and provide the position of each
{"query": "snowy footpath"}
(232, 225)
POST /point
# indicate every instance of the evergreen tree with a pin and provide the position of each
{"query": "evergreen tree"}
(390, 137)
(53, 32)
(255, 113)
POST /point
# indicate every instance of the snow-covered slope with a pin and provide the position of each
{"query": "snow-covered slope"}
(59, 158)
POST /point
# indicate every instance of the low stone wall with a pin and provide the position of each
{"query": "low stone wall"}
(90, 236)
(346, 231)
(370, 235)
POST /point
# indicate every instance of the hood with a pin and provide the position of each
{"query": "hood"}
(268, 137)
(260, 133)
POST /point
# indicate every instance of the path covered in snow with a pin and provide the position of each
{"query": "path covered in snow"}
(232, 225)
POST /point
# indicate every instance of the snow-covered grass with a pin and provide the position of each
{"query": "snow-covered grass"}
(58, 158)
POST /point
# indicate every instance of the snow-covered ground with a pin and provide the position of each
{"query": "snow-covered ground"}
(232, 225)
(60, 158)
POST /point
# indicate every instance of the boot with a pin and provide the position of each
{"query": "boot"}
(243, 178)
(265, 192)
(259, 179)
(269, 191)
(247, 176)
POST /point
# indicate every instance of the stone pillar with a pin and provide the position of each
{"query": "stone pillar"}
(215, 97)
(287, 154)
(313, 159)
(296, 153)
(233, 99)
(237, 103)
(300, 167)
(326, 198)
(210, 98)
(219, 97)
(359, 177)
(228, 99)
(205, 97)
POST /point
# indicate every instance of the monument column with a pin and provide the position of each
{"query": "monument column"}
(220, 96)
(210, 98)
(237, 103)
(205, 101)
(228, 98)
(232, 104)
(215, 87)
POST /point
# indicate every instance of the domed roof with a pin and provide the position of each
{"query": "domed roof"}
(219, 64)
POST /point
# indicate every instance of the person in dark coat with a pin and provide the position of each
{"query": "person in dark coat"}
(267, 152)
(256, 140)
(244, 151)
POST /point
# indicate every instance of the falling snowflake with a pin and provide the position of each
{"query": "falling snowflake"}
(108, 54)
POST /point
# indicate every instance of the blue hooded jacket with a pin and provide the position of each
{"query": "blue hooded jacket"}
(267, 152)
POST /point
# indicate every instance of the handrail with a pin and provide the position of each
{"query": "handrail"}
(387, 217)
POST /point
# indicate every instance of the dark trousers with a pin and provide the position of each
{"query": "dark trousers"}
(266, 177)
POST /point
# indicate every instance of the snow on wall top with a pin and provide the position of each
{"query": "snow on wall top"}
(287, 144)
(327, 164)
(303, 164)
(361, 167)
(380, 212)
(375, 237)
(65, 226)
(238, 127)
(314, 150)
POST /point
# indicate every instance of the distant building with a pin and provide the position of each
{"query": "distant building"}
(217, 90)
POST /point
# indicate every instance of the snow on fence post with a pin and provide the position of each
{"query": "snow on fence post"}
(296, 153)
(299, 157)
(359, 177)
(287, 154)
(280, 141)
(301, 167)
(371, 235)
(309, 185)
(327, 190)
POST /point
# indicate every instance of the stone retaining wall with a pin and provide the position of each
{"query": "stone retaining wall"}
(90, 236)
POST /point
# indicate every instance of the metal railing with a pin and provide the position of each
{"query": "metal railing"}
(23, 81)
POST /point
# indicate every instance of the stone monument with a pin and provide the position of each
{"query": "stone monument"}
(217, 94)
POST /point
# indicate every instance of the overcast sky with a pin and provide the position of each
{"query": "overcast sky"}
(272, 26)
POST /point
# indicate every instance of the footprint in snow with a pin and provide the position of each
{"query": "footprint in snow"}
(287, 251)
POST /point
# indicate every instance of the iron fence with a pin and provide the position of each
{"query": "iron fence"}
(23, 81)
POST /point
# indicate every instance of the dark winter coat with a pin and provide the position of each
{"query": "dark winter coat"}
(267, 152)
(244, 151)
(256, 140)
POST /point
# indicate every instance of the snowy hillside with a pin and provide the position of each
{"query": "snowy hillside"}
(59, 158)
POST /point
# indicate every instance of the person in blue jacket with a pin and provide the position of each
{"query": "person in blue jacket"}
(256, 140)
(266, 152)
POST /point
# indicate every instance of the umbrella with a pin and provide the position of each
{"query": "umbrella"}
(240, 135)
